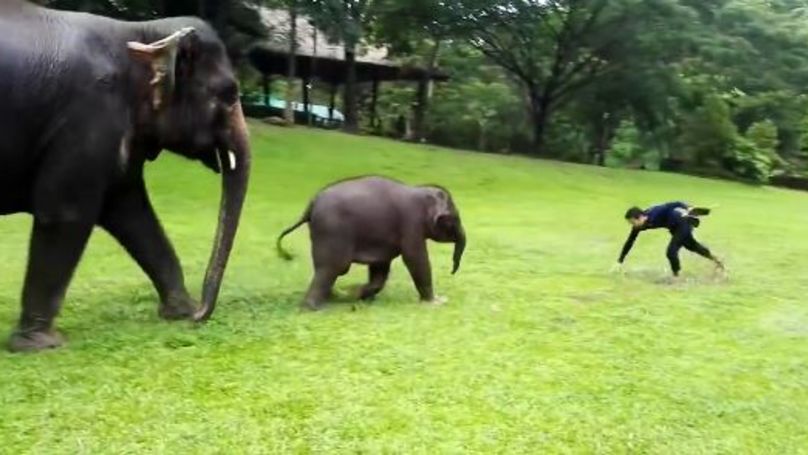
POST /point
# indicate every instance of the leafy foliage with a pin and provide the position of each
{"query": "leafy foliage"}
(627, 148)
(754, 154)
(676, 80)
(709, 134)
(237, 21)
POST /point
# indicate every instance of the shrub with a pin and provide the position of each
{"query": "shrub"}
(754, 155)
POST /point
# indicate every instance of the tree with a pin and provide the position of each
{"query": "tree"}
(347, 21)
(480, 107)
(709, 133)
(553, 48)
(289, 112)
(421, 27)
(238, 22)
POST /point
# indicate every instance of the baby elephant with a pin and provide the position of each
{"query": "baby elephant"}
(372, 220)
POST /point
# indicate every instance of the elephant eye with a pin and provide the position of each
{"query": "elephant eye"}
(228, 93)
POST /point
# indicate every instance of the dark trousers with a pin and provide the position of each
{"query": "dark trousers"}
(682, 236)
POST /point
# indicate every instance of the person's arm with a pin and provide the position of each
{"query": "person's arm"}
(629, 243)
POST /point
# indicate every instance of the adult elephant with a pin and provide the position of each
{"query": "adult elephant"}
(84, 102)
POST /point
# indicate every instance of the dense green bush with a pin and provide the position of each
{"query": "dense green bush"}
(708, 134)
(753, 156)
(748, 162)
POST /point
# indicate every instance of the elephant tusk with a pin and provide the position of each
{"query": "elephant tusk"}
(232, 157)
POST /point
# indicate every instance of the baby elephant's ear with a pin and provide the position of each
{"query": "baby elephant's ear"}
(446, 221)
(161, 56)
(438, 204)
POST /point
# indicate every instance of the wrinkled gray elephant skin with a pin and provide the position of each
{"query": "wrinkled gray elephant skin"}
(373, 220)
(85, 101)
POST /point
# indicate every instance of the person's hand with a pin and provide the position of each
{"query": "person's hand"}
(719, 266)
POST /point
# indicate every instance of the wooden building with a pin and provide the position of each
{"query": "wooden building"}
(322, 59)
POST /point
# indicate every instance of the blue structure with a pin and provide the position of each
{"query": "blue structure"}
(257, 105)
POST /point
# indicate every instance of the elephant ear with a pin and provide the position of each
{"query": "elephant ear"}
(440, 210)
(162, 58)
(446, 222)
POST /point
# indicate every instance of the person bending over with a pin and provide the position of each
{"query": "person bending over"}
(680, 219)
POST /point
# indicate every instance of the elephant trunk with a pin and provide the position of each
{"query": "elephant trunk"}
(235, 166)
(460, 246)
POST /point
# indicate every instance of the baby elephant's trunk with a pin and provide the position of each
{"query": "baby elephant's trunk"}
(460, 246)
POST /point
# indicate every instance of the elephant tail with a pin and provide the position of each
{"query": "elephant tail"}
(279, 244)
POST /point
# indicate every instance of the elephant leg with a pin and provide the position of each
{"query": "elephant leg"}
(378, 277)
(54, 252)
(332, 259)
(320, 288)
(130, 218)
(416, 258)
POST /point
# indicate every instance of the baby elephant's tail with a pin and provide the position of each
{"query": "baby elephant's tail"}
(279, 246)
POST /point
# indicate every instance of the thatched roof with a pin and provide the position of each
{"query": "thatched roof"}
(328, 56)
(277, 21)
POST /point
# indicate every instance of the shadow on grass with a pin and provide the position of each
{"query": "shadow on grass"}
(125, 318)
(653, 276)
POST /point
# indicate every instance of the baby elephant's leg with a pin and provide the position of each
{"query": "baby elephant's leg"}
(320, 288)
(378, 277)
(416, 259)
(332, 258)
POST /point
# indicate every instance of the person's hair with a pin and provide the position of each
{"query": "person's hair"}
(634, 212)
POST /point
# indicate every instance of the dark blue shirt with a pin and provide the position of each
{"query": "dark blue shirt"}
(664, 215)
(659, 216)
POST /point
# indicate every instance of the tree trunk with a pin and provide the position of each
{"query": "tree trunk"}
(349, 94)
(266, 82)
(602, 142)
(374, 101)
(333, 101)
(312, 76)
(306, 98)
(424, 95)
(604, 134)
(291, 66)
(540, 116)
(482, 139)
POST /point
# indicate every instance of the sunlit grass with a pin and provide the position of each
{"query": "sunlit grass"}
(539, 349)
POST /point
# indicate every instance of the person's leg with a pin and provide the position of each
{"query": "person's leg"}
(679, 236)
(691, 244)
(673, 255)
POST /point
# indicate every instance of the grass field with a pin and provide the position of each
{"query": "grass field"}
(540, 349)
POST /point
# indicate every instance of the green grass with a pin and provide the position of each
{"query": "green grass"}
(540, 348)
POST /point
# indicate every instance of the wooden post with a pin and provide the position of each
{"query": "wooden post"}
(291, 65)
(313, 75)
(373, 101)
(306, 95)
(333, 103)
(349, 108)
(267, 91)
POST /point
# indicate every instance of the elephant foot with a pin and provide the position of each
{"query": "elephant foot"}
(311, 306)
(178, 308)
(22, 341)
(368, 293)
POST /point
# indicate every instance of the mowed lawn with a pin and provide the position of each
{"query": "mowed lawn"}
(539, 349)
